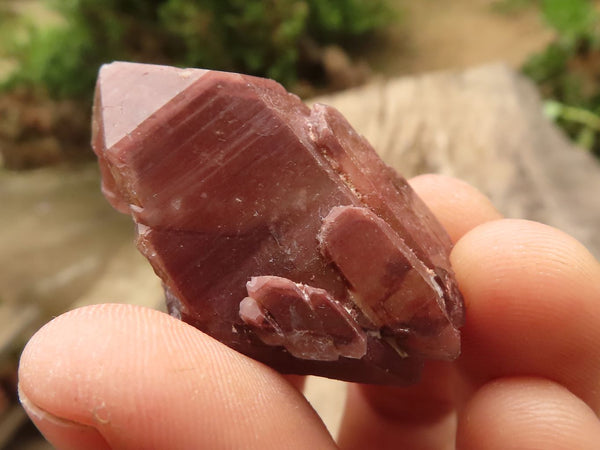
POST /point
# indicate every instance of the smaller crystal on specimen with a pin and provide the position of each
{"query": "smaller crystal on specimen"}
(276, 228)
(307, 321)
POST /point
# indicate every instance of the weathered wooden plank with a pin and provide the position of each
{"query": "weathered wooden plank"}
(484, 125)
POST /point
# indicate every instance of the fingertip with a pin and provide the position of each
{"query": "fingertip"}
(509, 243)
(532, 297)
(145, 380)
(457, 205)
(62, 434)
(518, 413)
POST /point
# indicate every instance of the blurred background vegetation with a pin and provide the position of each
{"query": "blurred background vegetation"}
(267, 38)
(568, 70)
(310, 46)
(55, 64)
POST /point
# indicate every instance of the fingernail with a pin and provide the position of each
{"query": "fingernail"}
(63, 434)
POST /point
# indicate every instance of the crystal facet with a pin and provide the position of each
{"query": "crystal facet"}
(275, 227)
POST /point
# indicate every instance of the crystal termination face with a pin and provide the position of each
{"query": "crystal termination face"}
(275, 227)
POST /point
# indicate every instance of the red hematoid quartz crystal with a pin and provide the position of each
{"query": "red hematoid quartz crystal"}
(276, 228)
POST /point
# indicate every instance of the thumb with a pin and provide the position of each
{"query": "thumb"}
(125, 377)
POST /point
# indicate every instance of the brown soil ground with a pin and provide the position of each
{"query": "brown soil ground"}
(438, 34)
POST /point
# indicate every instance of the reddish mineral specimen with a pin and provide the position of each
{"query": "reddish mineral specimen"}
(276, 228)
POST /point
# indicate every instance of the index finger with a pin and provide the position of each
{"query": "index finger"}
(420, 416)
(457, 205)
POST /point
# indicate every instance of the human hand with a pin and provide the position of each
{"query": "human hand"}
(124, 377)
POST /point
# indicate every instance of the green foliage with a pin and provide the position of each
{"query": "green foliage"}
(568, 69)
(573, 20)
(8, 24)
(256, 37)
(264, 37)
(55, 55)
(337, 21)
(252, 36)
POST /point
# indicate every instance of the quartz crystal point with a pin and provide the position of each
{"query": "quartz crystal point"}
(275, 227)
